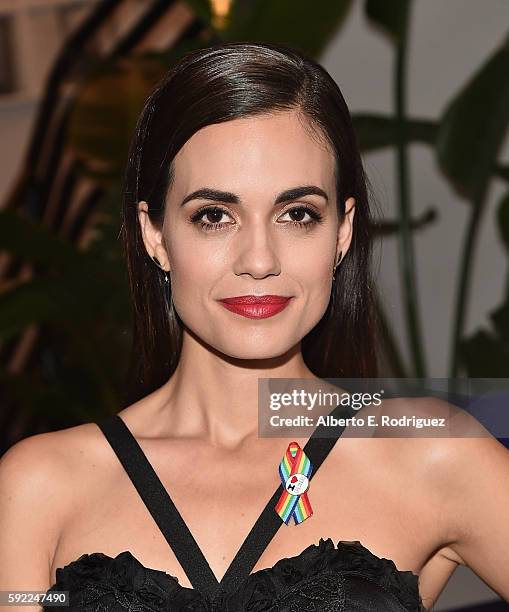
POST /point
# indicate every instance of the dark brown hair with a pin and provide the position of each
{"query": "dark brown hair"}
(219, 84)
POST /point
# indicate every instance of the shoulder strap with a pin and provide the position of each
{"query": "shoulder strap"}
(317, 448)
(159, 503)
(171, 523)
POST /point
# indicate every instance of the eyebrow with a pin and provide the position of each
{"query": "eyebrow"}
(227, 197)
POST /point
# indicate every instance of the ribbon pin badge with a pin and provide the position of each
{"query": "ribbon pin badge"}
(295, 470)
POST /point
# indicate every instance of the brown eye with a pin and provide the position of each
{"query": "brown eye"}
(298, 213)
(214, 215)
(210, 217)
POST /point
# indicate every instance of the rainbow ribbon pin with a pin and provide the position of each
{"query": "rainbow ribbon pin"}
(295, 470)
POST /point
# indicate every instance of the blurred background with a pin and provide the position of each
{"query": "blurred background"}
(427, 83)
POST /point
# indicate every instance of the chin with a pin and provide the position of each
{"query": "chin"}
(258, 348)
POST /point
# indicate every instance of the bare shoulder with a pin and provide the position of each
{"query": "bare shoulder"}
(44, 464)
(463, 471)
(470, 471)
(469, 456)
(439, 438)
(51, 454)
(41, 477)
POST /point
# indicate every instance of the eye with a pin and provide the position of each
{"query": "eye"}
(298, 211)
(213, 213)
(209, 217)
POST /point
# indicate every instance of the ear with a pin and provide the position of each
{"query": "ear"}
(345, 230)
(152, 237)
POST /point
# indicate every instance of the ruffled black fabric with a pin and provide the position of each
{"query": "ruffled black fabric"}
(99, 583)
(349, 558)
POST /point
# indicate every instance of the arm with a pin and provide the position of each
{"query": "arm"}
(30, 508)
(478, 507)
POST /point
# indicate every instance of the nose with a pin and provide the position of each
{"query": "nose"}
(256, 251)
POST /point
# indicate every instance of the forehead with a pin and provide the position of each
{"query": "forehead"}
(269, 152)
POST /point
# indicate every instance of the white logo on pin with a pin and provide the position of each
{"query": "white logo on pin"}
(297, 484)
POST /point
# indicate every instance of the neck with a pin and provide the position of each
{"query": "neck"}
(217, 400)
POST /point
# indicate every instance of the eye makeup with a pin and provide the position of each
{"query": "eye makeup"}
(196, 217)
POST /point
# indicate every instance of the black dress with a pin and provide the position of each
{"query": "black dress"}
(323, 577)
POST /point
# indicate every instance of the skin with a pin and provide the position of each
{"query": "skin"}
(258, 250)
(428, 504)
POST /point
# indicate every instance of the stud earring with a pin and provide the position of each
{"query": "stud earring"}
(336, 265)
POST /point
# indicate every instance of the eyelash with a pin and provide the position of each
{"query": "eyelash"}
(316, 217)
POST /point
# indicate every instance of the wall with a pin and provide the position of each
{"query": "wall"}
(449, 40)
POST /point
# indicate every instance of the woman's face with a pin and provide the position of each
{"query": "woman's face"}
(251, 212)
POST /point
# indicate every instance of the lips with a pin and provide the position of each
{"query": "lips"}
(256, 306)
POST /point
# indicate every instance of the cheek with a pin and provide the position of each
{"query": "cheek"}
(311, 270)
(311, 258)
(196, 268)
(315, 278)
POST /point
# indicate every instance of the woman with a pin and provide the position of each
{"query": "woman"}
(244, 179)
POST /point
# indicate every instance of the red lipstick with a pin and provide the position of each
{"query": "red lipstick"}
(256, 306)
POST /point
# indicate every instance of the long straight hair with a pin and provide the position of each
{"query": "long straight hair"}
(214, 85)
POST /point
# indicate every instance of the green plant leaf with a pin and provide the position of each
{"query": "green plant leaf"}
(474, 125)
(500, 318)
(379, 131)
(486, 352)
(485, 356)
(103, 120)
(202, 9)
(22, 236)
(74, 296)
(295, 23)
(503, 220)
(37, 301)
(56, 401)
(502, 172)
(389, 15)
